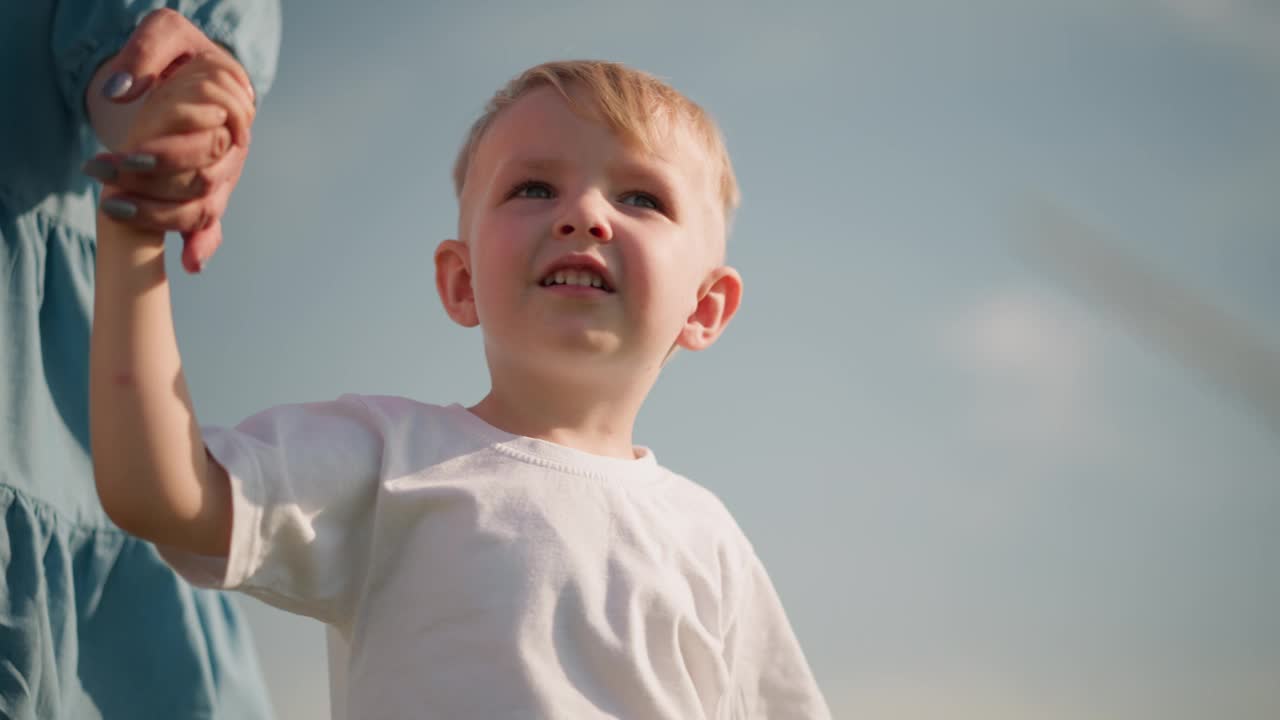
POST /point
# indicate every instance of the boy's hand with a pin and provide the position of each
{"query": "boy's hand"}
(193, 168)
(195, 124)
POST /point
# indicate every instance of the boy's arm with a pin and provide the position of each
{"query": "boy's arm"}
(153, 475)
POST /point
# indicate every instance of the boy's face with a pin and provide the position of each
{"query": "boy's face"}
(576, 245)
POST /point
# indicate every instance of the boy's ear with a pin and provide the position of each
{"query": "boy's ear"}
(453, 282)
(718, 300)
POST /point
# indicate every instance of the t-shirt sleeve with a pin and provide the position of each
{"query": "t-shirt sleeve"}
(88, 32)
(769, 671)
(304, 480)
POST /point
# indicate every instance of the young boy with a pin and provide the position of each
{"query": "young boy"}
(520, 558)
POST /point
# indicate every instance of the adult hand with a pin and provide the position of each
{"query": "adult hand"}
(186, 177)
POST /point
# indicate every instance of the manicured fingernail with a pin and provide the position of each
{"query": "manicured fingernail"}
(117, 85)
(139, 161)
(202, 264)
(99, 168)
(119, 209)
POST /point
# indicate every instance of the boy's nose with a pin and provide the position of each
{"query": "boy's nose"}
(596, 229)
(586, 213)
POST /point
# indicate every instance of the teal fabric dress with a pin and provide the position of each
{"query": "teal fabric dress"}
(92, 622)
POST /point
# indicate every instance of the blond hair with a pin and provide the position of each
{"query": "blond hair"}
(634, 104)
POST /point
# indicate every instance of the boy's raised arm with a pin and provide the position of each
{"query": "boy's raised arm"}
(153, 475)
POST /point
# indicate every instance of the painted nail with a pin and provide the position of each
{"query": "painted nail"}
(117, 85)
(119, 209)
(139, 161)
(100, 169)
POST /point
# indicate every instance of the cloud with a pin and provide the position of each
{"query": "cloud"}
(1030, 360)
(1020, 335)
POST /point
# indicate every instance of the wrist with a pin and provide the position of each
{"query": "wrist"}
(120, 240)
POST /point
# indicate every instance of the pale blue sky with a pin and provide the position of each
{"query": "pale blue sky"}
(980, 494)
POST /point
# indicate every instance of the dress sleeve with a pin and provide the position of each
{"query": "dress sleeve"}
(769, 670)
(304, 482)
(88, 32)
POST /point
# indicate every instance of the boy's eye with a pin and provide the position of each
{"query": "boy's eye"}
(533, 189)
(641, 200)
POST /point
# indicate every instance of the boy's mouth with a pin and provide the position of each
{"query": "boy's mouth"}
(578, 272)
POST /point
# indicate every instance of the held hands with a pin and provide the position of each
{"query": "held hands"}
(195, 124)
(184, 147)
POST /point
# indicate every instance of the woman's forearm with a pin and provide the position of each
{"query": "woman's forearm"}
(153, 475)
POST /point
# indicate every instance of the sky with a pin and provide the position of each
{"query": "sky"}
(984, 485)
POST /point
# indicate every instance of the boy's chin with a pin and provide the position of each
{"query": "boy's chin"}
(559, 343)
(569, 358)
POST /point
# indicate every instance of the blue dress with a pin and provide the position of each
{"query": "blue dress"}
(92, 622)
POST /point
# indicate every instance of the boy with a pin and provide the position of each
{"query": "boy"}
(519, 558)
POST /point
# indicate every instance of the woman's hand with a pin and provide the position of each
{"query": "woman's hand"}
(181, 180)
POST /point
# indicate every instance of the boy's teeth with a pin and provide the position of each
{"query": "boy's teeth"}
(584, 278)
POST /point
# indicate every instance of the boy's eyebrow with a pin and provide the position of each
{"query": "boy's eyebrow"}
(663, 176)
(644, 171)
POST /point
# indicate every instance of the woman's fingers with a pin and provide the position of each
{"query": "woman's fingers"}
(189, 117)
(215, 82)
(178, 154)
(160, 215)
(190, 151)
(201, 94)
(177, 167)
(204, 103)
(164, 40)
(184, 216)
(199, 246)
(236, 100)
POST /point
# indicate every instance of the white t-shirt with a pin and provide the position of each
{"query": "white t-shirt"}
(476, 574)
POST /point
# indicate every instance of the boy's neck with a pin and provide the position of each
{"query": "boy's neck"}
(575, 416)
